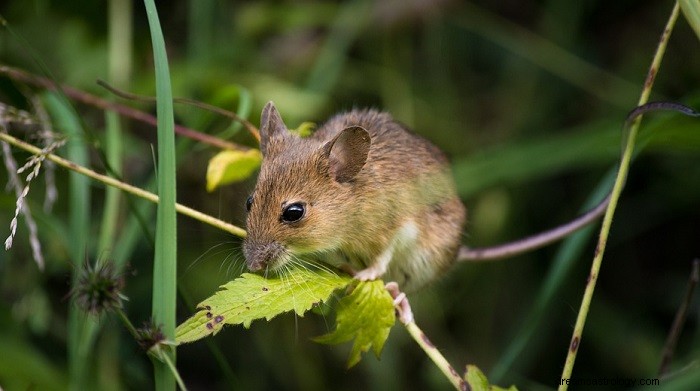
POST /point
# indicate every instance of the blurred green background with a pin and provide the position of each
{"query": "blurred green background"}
(526, 97)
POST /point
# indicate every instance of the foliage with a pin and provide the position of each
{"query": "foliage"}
(478, 381)
(365, 316)
(228, 167)
(252, 297)
(526, 99)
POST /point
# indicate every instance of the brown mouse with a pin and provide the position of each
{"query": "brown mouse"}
(362, 193)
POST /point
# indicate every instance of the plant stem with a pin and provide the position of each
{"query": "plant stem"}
(185, 210)
(435, 355)
(405, 316)
(126, 111)
(173, 370)
(120, 49)
(81, 328)
(679, 320)
(615, 196)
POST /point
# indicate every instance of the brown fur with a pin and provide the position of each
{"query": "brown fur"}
(364, 179)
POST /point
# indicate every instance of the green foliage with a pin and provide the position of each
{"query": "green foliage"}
(306, 129)
(251, 297)
(527, 105)
(164, 286)
(365, 316)
(478, 381)
(691, 11)
(231, 166)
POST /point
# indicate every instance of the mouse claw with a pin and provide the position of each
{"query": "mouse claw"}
(403, 307)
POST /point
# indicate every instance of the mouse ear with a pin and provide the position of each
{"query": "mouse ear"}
(271, 125)
(347, 153)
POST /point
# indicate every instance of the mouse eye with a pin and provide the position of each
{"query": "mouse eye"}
(293, 212)
(248, 203)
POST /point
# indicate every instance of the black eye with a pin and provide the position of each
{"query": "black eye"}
(248, 203)
(293, 212)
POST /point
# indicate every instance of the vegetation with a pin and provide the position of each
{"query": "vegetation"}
(527, 98)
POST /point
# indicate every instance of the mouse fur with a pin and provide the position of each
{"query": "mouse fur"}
(362, 193)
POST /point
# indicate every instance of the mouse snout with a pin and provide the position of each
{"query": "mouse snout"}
(261, 255)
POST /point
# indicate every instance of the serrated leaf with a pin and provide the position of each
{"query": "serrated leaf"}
(231, 166)
(252, 297)
(366, 315)
(478, 382)
(304, 130)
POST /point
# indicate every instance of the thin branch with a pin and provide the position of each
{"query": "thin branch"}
(124, 186)
(615, 196)
(405, 316)
(126, 111)
(204, 106)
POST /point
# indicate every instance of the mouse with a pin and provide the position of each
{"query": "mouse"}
(363, 194)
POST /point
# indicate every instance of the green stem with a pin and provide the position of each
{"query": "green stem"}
(182, 209)
(175, 373)
(422, 340)
(127, 323)
(81, 328)
(120, 48)
(617, 190)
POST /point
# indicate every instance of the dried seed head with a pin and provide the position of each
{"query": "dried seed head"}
(150, 335)
(99, 288)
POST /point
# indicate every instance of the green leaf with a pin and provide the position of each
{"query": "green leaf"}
(691, 11)
(366, 315)
(478, 382)
(252, 297)
(231, 166)
(306, 129)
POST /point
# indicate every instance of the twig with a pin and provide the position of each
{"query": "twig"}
(679, 320)
(617, 190)
(406, 318)
(204, 106)
(126, 111)
(124, 186)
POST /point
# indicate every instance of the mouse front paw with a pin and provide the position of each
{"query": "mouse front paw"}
(368, 274)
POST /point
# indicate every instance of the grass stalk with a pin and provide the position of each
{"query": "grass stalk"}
(107, 180)
(562, 264)
(165, 258)
(120, 48)
(81, 328)
(617, 190)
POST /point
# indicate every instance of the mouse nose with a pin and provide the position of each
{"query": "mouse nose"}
(260, 255)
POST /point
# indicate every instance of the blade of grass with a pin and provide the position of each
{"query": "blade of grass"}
(564, 260)
(351, 20)
(201, 31)
(165, 258)
(548, 55)
(195, 214)
(617, 190)
(691, 11)
(529, 159)
(120, 48)
(81, 328)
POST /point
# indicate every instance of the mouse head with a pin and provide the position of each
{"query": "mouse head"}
(306, 192)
